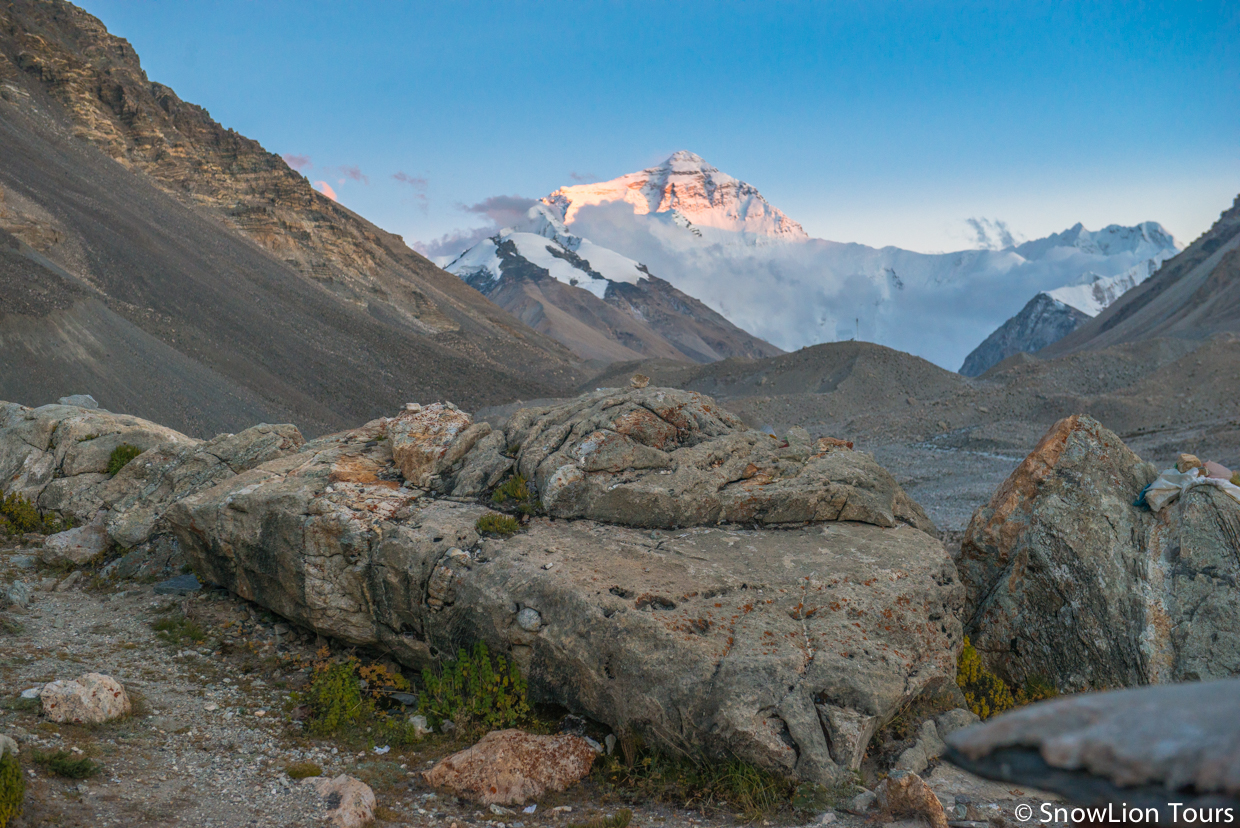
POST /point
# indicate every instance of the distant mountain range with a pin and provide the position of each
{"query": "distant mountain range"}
(753, 282)
(1053, 314)
(1194, 295)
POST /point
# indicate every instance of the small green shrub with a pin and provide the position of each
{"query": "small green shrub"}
(344, 701)
(472, 689)
(1037, 688)
(499, 525)
(120, 457)
(18, 516)
(177, 630)
(515, 492)
(986, 693)
(335, 698)
(303, 770)
(63, 763)
(620, 819)
(12, 789)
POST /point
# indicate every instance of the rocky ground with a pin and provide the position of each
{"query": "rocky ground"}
(212, 732)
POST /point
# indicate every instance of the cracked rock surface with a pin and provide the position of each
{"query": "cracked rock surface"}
(665, 458)
(1069, 581)
(785, 648)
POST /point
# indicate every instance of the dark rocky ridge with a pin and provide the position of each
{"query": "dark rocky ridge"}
(281, 304)
(1041, 321)
(1192, 296)
(647, 320)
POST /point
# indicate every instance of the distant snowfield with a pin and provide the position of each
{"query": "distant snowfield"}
(717, 239)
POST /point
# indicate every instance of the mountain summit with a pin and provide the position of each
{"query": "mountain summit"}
(689, 192)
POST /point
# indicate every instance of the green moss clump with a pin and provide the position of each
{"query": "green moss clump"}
(63, 763)
(120, 457)
(303, 770)
(690, 782)
(472, 689)
(987, 694)
(515, 492)
(12, 789)
(499, 525)
(178, 630)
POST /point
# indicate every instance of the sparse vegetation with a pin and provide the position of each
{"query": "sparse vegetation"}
(344, 701)
(179, 630)
(987, 694)
(745, 789)
(473, 690)
(120, 457)
(63, 763)
(502, 526)
(12, 789)
(303, 770)
(18, 516)
(620, 819)
(515, 493)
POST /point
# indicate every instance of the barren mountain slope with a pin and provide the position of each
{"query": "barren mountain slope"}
(1193, 295)
(950, 440)
(307, 308)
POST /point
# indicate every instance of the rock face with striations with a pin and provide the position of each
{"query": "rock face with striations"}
(1069, 581)
(57, 456)
(785, 648)
(665, 458)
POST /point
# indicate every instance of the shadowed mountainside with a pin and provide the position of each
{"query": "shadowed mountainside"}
(146, 222)
(1192, 296)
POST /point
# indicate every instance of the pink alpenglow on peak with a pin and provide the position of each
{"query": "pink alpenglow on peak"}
(689, 189)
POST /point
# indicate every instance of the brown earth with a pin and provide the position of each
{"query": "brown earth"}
(949, 440)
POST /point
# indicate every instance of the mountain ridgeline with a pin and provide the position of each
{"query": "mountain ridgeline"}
(177, 270)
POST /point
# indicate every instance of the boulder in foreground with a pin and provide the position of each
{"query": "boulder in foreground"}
(785, 648)
(510, 767)
(1069, 581)
(350, 802)
(92, 698)
(1144, 746)
(665, 458)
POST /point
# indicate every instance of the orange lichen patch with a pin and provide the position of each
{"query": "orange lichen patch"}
(646, 428)
(1022, 485)
(829, 444)
(359, 469)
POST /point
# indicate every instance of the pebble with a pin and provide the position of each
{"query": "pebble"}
(529, 620)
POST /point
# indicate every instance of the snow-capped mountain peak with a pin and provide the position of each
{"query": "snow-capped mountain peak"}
(689, 192)
(1144, 240)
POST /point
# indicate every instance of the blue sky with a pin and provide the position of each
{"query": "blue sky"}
(882, 123)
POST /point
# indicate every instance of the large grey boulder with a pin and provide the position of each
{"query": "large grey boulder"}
(1145, 747)
(75, 547)
(785, 648)
(53, 453)
(1067, 580)
(57, 456)
(666, 458)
